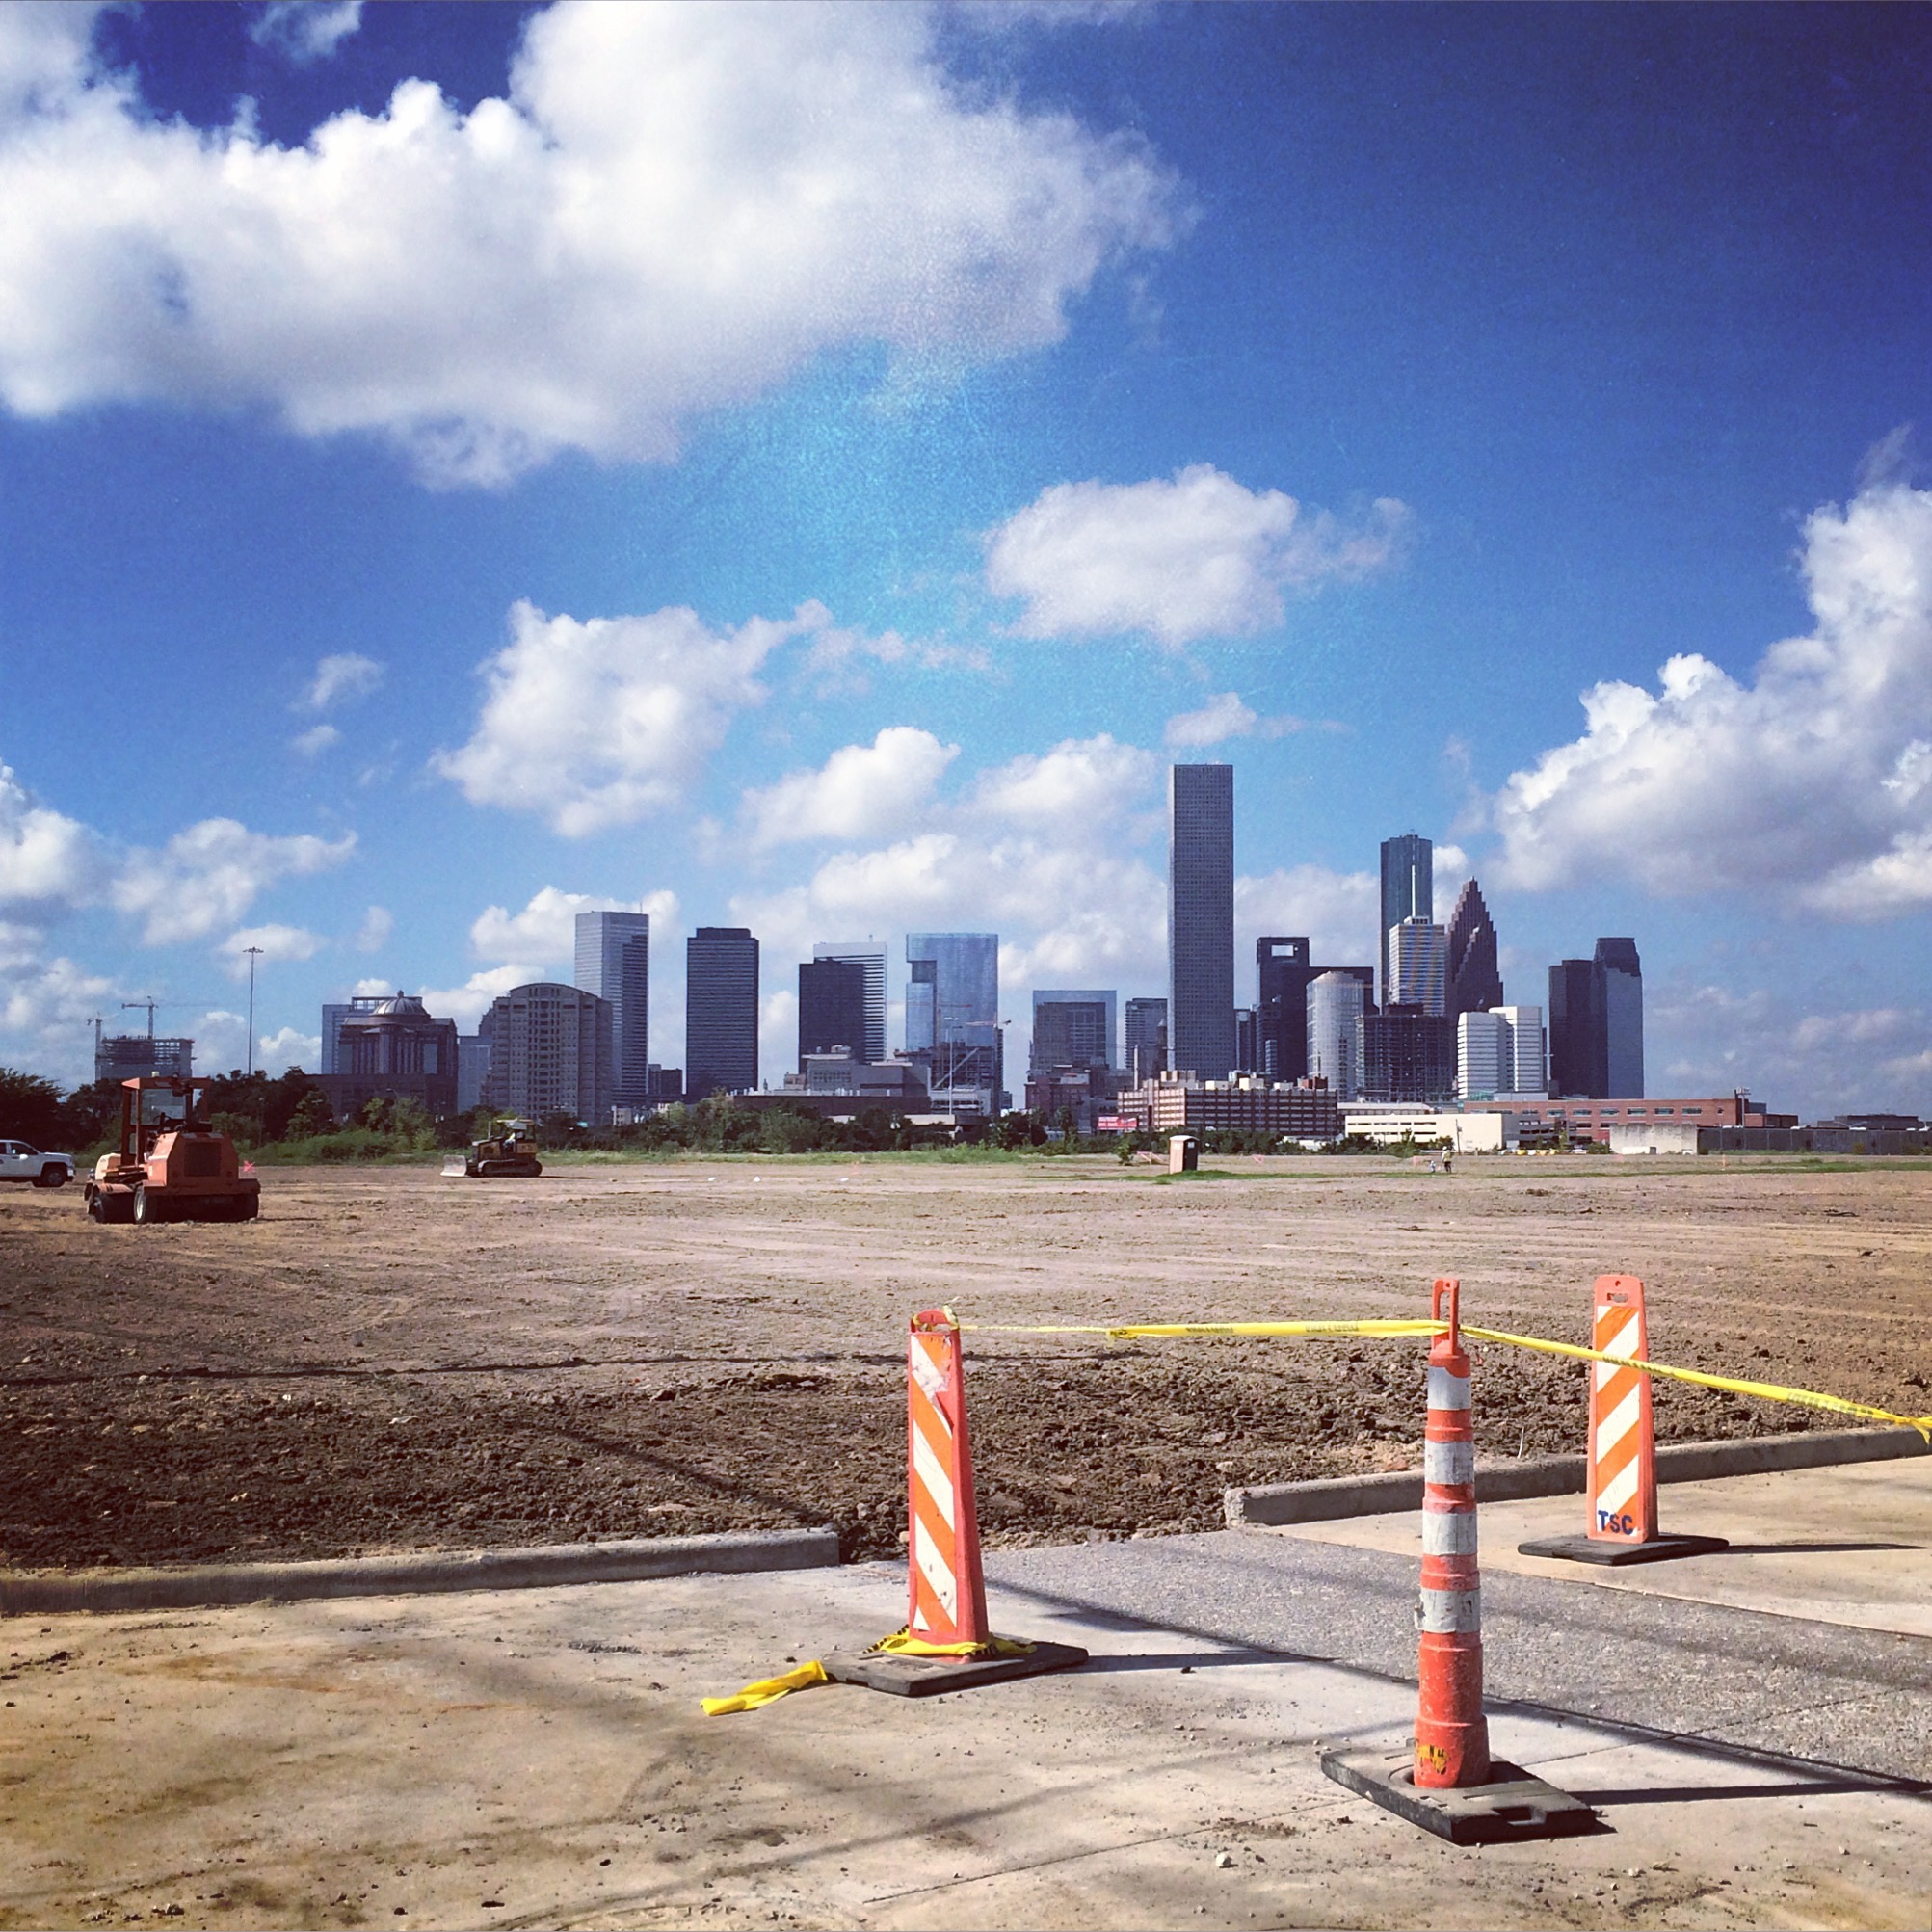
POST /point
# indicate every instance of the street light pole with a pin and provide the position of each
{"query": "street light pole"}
(255, 953)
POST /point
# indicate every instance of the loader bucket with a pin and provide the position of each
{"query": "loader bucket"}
(455, 1167)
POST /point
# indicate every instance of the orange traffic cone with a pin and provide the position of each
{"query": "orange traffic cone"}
(1452, 1742)
(945, 1584)
(1446, 1782)
(947, 1643)
(1622, 1456)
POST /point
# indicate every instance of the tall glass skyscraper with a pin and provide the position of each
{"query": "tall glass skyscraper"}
(1418, 966)
(869, 955)
(1336, 1002)
(1071, 1028)
(614, 963)
(1623, 999)
(1408, 892)
(1143, 1051)
(1201, 920)
(720, 1011)
(952, 1016)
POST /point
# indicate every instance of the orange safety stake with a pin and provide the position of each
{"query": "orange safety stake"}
(945, 1585)
(1446, 1782)
(1622, 1451)
(1452, 1745)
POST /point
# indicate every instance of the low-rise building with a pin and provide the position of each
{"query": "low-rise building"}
(1551, 1122)
(1458, 1131)
(1177, 1103)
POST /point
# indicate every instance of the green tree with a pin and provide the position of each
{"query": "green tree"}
(30, 1109)
(311, 1116)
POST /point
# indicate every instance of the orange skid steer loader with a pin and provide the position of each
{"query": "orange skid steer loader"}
(170, 1167)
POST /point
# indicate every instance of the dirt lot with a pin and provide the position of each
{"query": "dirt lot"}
(389, 1360)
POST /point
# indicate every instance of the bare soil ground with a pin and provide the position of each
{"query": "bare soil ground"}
(389, 1360)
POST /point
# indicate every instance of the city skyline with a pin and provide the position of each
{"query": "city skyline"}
(865, 576)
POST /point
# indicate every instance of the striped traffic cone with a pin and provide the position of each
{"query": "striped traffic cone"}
(1452, 1739)
(1622, 1458)
(947, 1643)
(945, 1585)
(1446, 1782)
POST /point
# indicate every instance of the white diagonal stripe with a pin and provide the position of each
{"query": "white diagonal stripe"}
(926, 1372)
(934, 1569)
(1621, 1488)
(933, 1476)
(1618, 1424)
(1625, 1340)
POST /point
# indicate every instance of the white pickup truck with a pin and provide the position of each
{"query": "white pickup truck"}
(19, 1161)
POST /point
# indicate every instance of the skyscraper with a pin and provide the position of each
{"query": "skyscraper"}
(1143, 1051)
(952, 1016)
(1596, 1024)
(549, 1053)
(1071, 1028)
(1578, 1066)
(1335, 1004)
(1403, 1054)
(1528, 1070)
(1475, 985)
(1622, 1002)
(720, 1011)
(614, 963)
(869, 955)
(1201, 919)
(1418, 966)
(832, 1008)
(1408, 889)
(1282, 976)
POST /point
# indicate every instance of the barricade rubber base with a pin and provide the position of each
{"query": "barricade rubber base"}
(926, 1677)
(1599, 1549)
(1513, 1807)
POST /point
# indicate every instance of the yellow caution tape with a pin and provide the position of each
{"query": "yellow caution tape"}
(901, 1643)
(904, 1644)
(1763, 1391)
(1155, 1331)
(767, 1690)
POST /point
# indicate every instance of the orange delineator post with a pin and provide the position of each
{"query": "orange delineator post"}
(1452, 1745)
(946, 1587)
(1623, 1441)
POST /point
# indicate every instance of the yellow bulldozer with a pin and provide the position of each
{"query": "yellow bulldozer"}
(510, 1148)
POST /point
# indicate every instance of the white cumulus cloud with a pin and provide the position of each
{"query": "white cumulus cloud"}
(545, 930)
(211, 873)
(1808, 779)
(859, 790)
(1197, 555)
(674, 208)
(600, 723)
(272, 943)
(305, 31)
(46, 859)
(312, 743)
(346, 674)
(289, 1046)
(373, 933)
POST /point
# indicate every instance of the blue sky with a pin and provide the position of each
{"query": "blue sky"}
(811, 468)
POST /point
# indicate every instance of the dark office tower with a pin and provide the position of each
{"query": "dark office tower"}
(1408, 891)
(1145, 1048)
(1474, 983)
(1201, 920)
(1404, 1054)
(1577, 1064)
(1071, 1028)
(1621, 993)
(720, 1011)
(1282, 976)
(832, 1008)
(614, 963)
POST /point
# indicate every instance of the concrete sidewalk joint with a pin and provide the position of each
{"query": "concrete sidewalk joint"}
(1269, 1504)
(538, 1567)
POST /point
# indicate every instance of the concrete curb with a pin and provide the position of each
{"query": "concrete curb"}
(536, 1568)
(1269, 1504)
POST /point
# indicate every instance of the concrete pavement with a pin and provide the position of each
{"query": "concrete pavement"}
(539, 1757)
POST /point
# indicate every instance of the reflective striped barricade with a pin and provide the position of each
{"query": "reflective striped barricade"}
(1446, 1782)
(947, 1643)
(1622, 1525)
